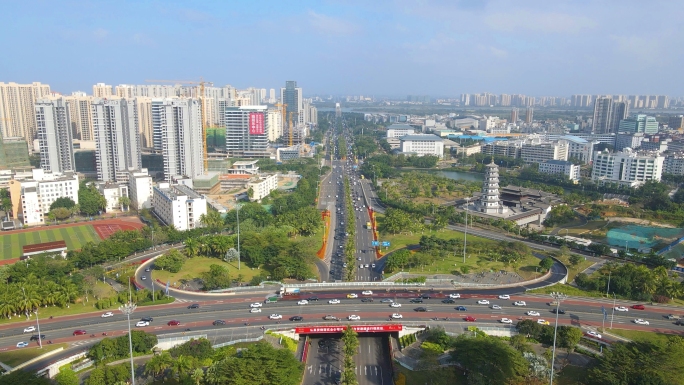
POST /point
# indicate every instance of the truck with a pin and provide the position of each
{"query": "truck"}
(289, 291)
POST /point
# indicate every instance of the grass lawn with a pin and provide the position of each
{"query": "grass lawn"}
(577, 230)
(639, 336)
(567, 289)
(440, 376)
(572, 375)
(75, 237)
(574, 270)
(16, 357)
(195, 266)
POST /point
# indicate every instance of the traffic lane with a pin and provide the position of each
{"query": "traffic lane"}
(372, 360)
(323, 362)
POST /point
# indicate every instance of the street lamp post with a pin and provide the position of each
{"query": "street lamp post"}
(558, 297)
(465, 234)
(128, 309)
(40, 340)
(237, 214)
(612, 314)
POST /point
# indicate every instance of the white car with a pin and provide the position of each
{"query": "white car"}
(504, 296)
(353, 317)
(367, 292)
(519, 303)
(366, 266)
(641, 321)
(142, 324)
(395, 304)
(302, 302)
(255, 310)
(594, 334)
(275, 316)
(621, 308)
(496, 307)
(506, 321)
(373, 265)
(361, 266)
(256, 304)
(144, 277)
(533, 313)
(107, 314)
(483, 302)
(30, 329)
(334, 301)
(454, 296)
(397, 316)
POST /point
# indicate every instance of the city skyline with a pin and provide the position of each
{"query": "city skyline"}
(439, 48)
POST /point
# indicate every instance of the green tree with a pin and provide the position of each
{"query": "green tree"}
(197, 376)
(181, 365)
(67, 376)
(158, 364)
(61, 213)
(124, 202)
(488, 360)
(90, 200)
(172, 261)
(575, 259)
(216, 278)
(397, 260)
(351, 343)
(546, 263)
(23, 377)
(569, 336)
(64, 202)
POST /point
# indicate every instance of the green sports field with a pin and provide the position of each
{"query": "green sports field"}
(76, 236)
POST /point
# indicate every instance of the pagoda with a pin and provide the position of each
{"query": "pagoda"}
(490, 202)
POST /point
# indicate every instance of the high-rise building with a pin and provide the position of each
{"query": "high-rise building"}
(117, 138)
(627, 168)
(177, 135)
(274, 124)
(676, 122)
(620, 111)
(271, 95)
(338, 110)
(603, 116)
(529, 112)
(53, 123)
(17, 113)
(145, 121)
(514, 115)
(292, 96)
(81, 117)
(246, 134)
(639, 123)
(101, 90)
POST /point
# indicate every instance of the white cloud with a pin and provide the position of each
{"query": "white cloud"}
(329, 25)
(535, 21)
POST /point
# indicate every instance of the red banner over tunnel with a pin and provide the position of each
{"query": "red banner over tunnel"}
(356, 328)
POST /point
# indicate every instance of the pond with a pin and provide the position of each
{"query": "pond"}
(457, 175)
(636, 236)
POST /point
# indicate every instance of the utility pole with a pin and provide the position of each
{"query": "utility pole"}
(465, 233)
(237, 214)
(558, 297)
(128, 309)
(612, 314)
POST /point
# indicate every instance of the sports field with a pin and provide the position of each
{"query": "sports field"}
(75, 236)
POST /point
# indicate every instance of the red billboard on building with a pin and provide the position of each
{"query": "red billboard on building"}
(357, 328)
(256, 123)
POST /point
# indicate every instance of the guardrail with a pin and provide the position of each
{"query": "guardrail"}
(233, 342)
(351, 284)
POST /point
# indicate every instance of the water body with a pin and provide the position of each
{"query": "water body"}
(636, 236)
(457, 175)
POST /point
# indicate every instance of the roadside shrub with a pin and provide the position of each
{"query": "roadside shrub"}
(661, 299)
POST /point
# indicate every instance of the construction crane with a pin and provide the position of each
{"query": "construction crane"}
(201, 84)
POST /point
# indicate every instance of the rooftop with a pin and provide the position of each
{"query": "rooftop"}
(424, 137)
(574, 139)
(400, 126)
(559, 162)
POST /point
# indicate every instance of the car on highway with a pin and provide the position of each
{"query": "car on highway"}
(542, 322)
(140, 324)
(506, 321)
(296, 318)
(275, 316)
(373, 265)
(367, 292)
(35, 337)
(416, 300)
(79, 332)
(255, 310)
(448, 300)
(672, 317)
(314, 298)
(352, 295)
(519, 303)
(256, 304)
(641, 321)
(496, 307)
(560, 311)
(354, 317)
(594, 334)
(638, 307)
(483, 302)
(194, 306)
(621, 308)
(302, 302)
(504, 296)
(22, 344)
(330, 317)
(30, 329)
(420, 309)
(454, 295)
(143, 277)
(147, 269)
(334, 301)
(461, 308)
(147, 319)
(386, 300)
(367, 266)
(425, 296)
(395, 304)
(533, 313)
(397, 316)
(366, 299)
(219, 322)
(469, 319)
(107, 314)
(173, 322)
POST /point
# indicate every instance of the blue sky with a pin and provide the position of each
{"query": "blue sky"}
(371, 47)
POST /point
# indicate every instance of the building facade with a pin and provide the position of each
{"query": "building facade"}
(17, 109)
(117, 138)
(639, 123)
(246, 134)
(178, 206)
(292, 96)
(628, 140)
(564, 167)
(262, 186)
(32, 196)
(422, 145)
(627, 168)
(140, 189)
(541, 152)
(602, 121)
(55, 140)
(580, 149)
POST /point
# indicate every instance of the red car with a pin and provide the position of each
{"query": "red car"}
(638, 307)
(79, 332)
(173, 323)
(469, 318)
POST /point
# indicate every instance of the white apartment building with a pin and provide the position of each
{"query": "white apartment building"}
(628, 168)
(579, 148)
(509, 148)
(564, 167)
(117, 138)
(17, 109)
(421, 145)
(81, 116)
(140, 189)
(274, 125)
(112, 192)
(399, 130)
(177, 135)
(101, 90)
(262, 186)
(55, 139)
(178, 205)
(535, 152)
(32, 197)
(246, 134)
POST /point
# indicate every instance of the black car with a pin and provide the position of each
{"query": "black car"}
(147, 319)
(560, 311)
(421, 309)
(35, 337)
(425, 296)
(366, 299)
(296, 318)
(312, 299)
(194, 306)
(448, 300)
(416, 300)
(219, 322)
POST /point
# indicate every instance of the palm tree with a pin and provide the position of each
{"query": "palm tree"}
(181, 365)
(213, 375)
(159, 364)
(191, 247)
(67, 294)
(32, 299)
(197, 376)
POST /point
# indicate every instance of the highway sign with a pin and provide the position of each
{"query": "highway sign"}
(385, 243)
(375, 243)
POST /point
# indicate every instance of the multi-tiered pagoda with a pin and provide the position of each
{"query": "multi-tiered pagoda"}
(490, 202)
